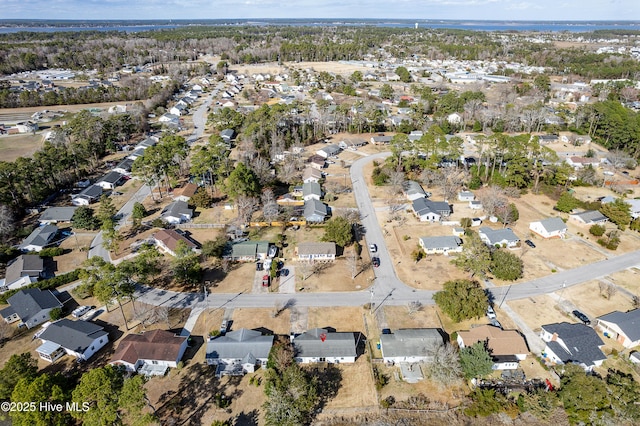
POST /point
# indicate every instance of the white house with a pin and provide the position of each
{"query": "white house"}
(412, 190)
(177, 212)
(589, 217)
(87, 196)
(454, 118)
(498, 237)
(80, 339)
(322, 345)
(30, 306)
(442, 244)
(185, 193)
(466, 196)
(322, 252)
(624, 327)
(572, 343)
(110, 181)
(311, 191)
(329, 151)
(507, 347)
(238, 352)
(151, 352)
(411, 345)
(311, 174)
(40, 238)
(168, 240)
(552, 227)
(430, 211)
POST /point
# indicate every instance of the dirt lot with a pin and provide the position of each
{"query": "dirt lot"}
(261, 318)
(588, 299)
(342, 319)
(14, 146)
(75, 248)
(628, 279)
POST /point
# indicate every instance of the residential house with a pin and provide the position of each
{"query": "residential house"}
(137, 153)
(506, 347)
(454, 118)
(634, 205)
(441, 244)
(572, 343)
(430, 211)
(80, 339)
(30, 306)
(323, 252)
(328, 151)
(381, 140)
(148, 142)
(317, 162)
(580, 162)
(23, 270)
(178, 109)
(39, 238)
(150, 353)
(56, 214)
(185, 193)
(552, 227)
(498, 237)
(351, 145)
(315, 211)
(110, 181)
(168, 240)
(624, 327)
(311, 191)
(410, 345)
(466, 196)
(238, 352)
(289, 199)
(248, 251)
(227, 135)
(589, 217)
(322, 345)
(177, 212)
(124, 167)
(413, 190)
(87, 196)
(311, 175)
(475, 205)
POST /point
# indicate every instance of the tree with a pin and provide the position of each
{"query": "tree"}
(242, 181)
(618, 212)
(475, 257)
(597, 230)
(540, 403)
(18, 367)
(107, 210)
(132, 400)
(404, 74)
(445, 368)
(138, 213)
(585, 398)
(506, 266)
(461, 299)
(625, 392)
(386, 91)
(7, 222)
(201, 198)
(475, 360)
(83, 218)
(566, 203)
(185, 265)
(291, 397)
(55, 314)
(487, 402)
(338, 230)
(46, 388)
(215, 248)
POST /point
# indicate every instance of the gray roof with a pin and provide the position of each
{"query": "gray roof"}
(147, 143)
(552, 224)
(440, 242)
(495, 236)
(25, 265)
(31, 301)
(57, 214)
(311, 172)
(409, 342)
(227, 134)
(423, 206)
(314, 207)
(238, 344)
(411, 187)
(125, 164)
(582, 342)
(176, 209)
(309, 188)
(40, 236)
(590, 216)
(73, 335)
(319, 343)
(111, 177)
(629, 322)
(331, 149)
(316, 248)
(93, 191)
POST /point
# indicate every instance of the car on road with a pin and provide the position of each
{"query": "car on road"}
(223, 326)
(582, 317)
(491, 314)
(373, 248)
(375, 261)
(530, 243)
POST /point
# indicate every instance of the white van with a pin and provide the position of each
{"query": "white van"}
(80, 311)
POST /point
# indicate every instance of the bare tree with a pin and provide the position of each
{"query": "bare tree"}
(445, 368)
(635, 302)
(6, 331)
(396, 179)
(607, 290)
(262, 168)
(414, 307)
(493, 199)
(270, 208)
(289, 171)
(246, 206)
(7, 222)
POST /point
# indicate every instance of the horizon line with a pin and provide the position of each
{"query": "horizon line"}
(314, 18)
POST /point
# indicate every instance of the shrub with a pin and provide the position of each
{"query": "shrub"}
(55, 314)
(597, 230)
(158, 223)
(47, 284)
(388, 402)
(406, 237)
(381, 379)
(51, 252)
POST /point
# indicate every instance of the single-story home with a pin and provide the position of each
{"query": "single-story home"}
(311, 175)
(506, 347)
(311, 191)
(381, 140)
(624, 327)
(227, 135)
(185, 193)
(124, 167)
(30, 306)
(322, 345)
(329, 151)
(572, 343)
(177, 212)
(498, 237)
(589, 217)
(167, 240)
(40, 238)
(475, 205)
(411, 344)
(289, 199)
(552, 227)
(87, 196)
(323, 252)
(315, 211)
(317, 162)
(430, 211)
(238, 352)
(248, 251)
(23, 270)
(151, 352)
(413, 190)
(110, 181)
(466, 196)
(580, 162)
(56, 214)
(81, 339)
(444, 244)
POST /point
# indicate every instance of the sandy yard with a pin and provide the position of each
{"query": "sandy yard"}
(262, 318)
(342, 319)
(588, 299)
(356, 389)
(539, 310)
(628, 279)
(21, 145)
(76, 248)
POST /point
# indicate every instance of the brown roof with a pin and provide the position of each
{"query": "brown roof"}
(157, 345)
(500, 342)
(170, 239)
(186, 191)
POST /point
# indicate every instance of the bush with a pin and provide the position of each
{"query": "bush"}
(388, 402)
(51, 252)
(381, 379)
(47, 284)
(597, 230)
(55, 314)
(158, 223)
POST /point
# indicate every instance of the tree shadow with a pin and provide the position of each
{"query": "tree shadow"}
(329, 381)
(247, 419)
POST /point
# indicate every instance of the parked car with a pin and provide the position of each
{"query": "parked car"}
(223, 326)
(530, 243)
(582, 317)
(258, 266)
(273, 250)
(80, 311)
(373, 248)
(491, 314)
(375, 261)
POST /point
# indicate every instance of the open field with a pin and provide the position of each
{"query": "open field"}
(21, 145)
(342, 319)
(628, 279)
(77, 245)
(261, 318)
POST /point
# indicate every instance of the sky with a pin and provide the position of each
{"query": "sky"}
(547, 10)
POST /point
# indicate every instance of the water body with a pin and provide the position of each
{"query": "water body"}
(11, 26)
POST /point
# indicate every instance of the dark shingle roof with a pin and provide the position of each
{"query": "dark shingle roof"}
(238, 344)
(582, 343)
(318, 343)
(629, 322)
(57, 214)
(73, 335)
(29, 302)
(25, 265)
(423, 206)
(411, 342)
(40, 236)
